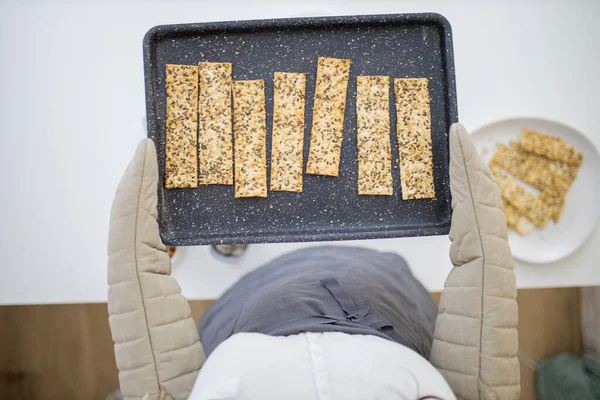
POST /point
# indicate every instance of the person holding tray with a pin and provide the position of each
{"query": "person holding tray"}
(324, 322)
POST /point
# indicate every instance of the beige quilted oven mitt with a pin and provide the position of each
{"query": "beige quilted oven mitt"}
(157, 348)
(476, 342)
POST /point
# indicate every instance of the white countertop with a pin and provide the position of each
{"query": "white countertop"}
(72, 110)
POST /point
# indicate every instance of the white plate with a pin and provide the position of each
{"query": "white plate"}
(582, 207)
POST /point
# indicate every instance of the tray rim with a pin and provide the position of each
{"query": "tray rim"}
(155, 33)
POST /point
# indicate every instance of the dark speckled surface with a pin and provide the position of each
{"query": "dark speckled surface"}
(329, 208)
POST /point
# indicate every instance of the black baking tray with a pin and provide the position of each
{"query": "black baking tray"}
(329, 208)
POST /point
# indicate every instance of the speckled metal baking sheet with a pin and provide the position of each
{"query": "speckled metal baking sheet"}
(329, 208)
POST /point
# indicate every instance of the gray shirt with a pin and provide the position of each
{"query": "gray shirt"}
(330, 288)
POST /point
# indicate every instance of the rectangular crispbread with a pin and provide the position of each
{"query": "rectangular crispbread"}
(565, 171)
(181, 163)
(414, 138)
(215, 147)
(373, 135)
(250, 135)
(530, 168)
(328, 116)
(550, 147)
(288, 131)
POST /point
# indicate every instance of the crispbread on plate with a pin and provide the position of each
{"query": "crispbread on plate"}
(530, 168)
(550, 147)
(567, 172)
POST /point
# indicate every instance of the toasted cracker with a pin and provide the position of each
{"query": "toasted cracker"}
(565, 171)
(414, 138)
(288, 131)
(181, 164)
(530, 168)
(550, 147)
(215, 147)
(557, 175)
(534, 209)
(373, 135)
(328, 116)
(250, 135)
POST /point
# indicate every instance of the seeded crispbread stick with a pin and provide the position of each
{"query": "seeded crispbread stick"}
(250, 135)
(414, 138)
(215, 147)
(550, 147)
(328, 116)
(530, 168)
(181, 163)
(373, 135)
(288, 131)
(565, 171)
